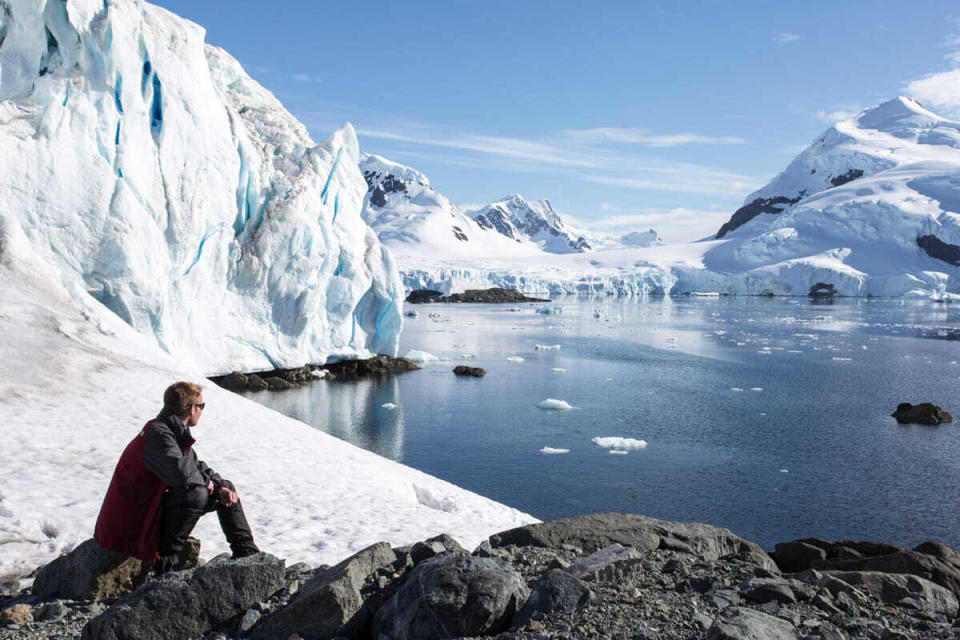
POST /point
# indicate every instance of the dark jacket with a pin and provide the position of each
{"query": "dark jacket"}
(160, 456)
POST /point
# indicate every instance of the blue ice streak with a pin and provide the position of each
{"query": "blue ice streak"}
(117, 89)
(336, 206)
(383, 315)
(336, 161)
(200, 248)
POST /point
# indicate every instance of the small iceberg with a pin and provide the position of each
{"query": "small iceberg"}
(514, 359)
(618, 452)
(552, 404)
(620, 444)
(550, 451)
(420, 357)
(389, 406)
(547, 310)
(546, 347)
(559, 370)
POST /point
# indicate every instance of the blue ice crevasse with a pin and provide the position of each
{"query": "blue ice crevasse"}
(326, 186)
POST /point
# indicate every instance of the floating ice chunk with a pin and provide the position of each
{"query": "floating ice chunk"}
(756, 388)
(550, 451)
(736, 388)
(704, 294)
(620, 444)
(411, 313)
(546, 347)
(842, 359)
(389, 406)
(514, 359)
(547, 310)
(421, 357)
(618, 452)
(794, 351)
(552, 404)
(784, 470)
(559, 370)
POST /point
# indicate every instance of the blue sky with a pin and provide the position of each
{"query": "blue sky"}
(623, 114)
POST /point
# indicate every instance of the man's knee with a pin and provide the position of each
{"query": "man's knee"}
(196, 497)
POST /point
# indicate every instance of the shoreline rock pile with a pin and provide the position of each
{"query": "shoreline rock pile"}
(282, 379)
(610, 576)
(493, 295)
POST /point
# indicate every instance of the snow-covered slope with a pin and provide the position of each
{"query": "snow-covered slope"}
(77, 383)
(872, 207)
(414, 220)
(537, 222)
(153, 174)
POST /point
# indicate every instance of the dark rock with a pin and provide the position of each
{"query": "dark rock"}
(235, 381)
(762, 590)
(902, 590)
(615, 563)
(256, 383)
(50, 612)
(844, 178)
(328, 601)
(740, 623)
(188, 604)
(751, 210)
(494, 295)
(90, 572)
(940, 250)
(797, 555)
(822, 290)
(596, 531)
(375, 366)
(924, 413)
(449, 596)
(476, 372)
(424, 296)
(278, 384)
(556, 590)
(442, 543)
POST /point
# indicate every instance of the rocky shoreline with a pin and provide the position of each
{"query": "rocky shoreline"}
(493, 295)
(605, 576)
(282, 379)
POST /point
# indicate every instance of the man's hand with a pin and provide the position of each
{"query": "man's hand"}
(210, 487)
(227, 497)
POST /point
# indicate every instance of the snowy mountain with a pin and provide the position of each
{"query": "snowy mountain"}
(414, 220)
(519, 220)
(148, 170)
(872, 207)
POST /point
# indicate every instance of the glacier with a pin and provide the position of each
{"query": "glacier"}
(871, 208)
(153, 174)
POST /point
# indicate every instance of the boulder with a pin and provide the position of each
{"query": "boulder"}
(90, 572)
(925, 413)
(433, 546)
(798, 555)
(556, 590)
(17, 614)
(328, 601)
(476, 372)
(188, 604)
(741, 623)
(256, 383)
(424, 296)
(235, 381)
(375, 366)
(615, 563)
(449, 596)
(596, 531)
(902, 590)
(277, 384)
(761, 590)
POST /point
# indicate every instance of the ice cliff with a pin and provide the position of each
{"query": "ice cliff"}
(150, 172)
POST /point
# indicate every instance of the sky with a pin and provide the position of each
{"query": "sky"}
(625, 115)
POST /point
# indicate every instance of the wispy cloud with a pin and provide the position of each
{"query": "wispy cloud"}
(838, 114)
(784, 38)
(678, 224)
(644, 137)
(941, 90)
(305, 78)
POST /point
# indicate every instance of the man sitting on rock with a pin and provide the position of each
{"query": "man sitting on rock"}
(160, 489)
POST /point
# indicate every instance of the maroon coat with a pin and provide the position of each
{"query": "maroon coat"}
(129, 520)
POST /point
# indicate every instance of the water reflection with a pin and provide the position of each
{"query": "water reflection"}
(349, 410)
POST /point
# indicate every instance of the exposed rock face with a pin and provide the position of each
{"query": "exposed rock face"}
(555, 591)
(749, 211)
(275, 380)
(90, 572)
(450, 596)
(476, 372)
(937, 248)
(188, 604)
(902, 590)
(516, 218)
(494, 295)
(844, 178)
(925, 413)
(328, 601)
(596, 531)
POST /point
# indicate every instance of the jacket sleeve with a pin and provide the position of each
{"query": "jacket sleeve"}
(210, 474)
(163, 458)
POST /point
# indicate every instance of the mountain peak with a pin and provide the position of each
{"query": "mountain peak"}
(896, 116)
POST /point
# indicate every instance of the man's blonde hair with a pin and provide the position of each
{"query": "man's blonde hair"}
(180, 395)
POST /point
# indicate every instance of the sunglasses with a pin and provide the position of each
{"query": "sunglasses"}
(202, 405)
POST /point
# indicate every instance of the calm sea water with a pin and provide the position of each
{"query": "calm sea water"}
(766, 416)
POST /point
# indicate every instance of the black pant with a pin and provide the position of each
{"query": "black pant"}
(182, 508)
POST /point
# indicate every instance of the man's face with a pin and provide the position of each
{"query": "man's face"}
(196, 410)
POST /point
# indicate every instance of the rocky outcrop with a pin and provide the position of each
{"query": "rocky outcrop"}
(493, 295)
(924, 413)
(188, 604)
(844, 178)
(376, 366)
(90, 572)
(556, 591)
(751, 210)
(476, 372)
(937, 248)
(450, 596)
